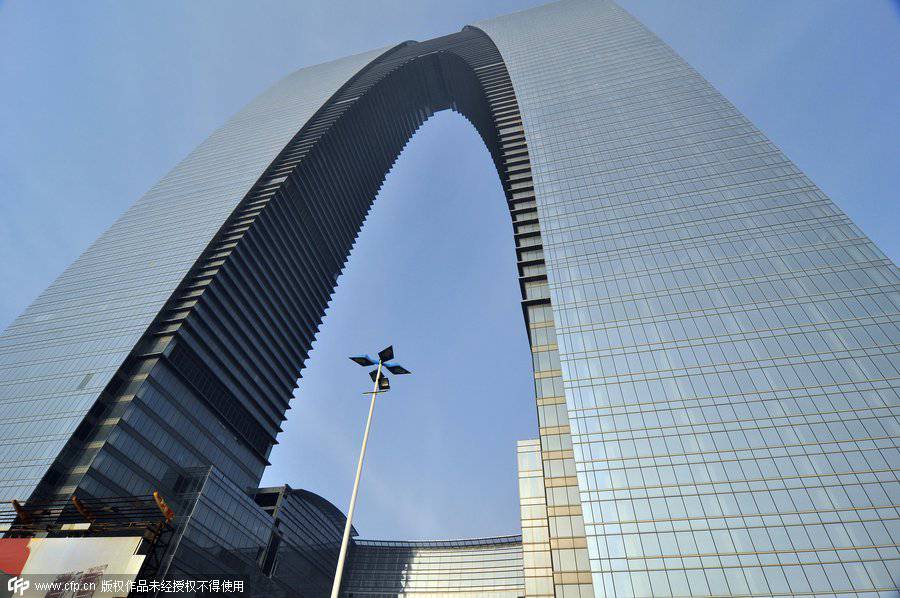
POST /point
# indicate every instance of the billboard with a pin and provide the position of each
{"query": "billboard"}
(69, 567)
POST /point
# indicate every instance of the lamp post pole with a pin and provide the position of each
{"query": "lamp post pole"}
(382, 384)
(336, 588)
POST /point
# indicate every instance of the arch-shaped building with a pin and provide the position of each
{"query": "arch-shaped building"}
(715, 343)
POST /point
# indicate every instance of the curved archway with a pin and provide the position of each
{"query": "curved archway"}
(434, 269)
(230, 342)
(295, 228)
(239, 326)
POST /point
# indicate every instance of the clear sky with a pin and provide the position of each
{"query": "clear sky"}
(100, 99)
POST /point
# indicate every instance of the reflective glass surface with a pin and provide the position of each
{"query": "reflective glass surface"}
(727, 337)
(464, 568)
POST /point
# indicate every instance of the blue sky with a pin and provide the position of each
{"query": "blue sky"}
(100, 99)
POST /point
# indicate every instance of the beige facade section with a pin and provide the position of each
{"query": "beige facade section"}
(535, 530)
(565, 524)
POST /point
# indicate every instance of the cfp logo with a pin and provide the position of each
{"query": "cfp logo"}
(17, 585)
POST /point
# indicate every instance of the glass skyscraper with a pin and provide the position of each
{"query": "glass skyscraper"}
(715, 343)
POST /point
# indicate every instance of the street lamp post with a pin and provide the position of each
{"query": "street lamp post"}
(381, 384)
